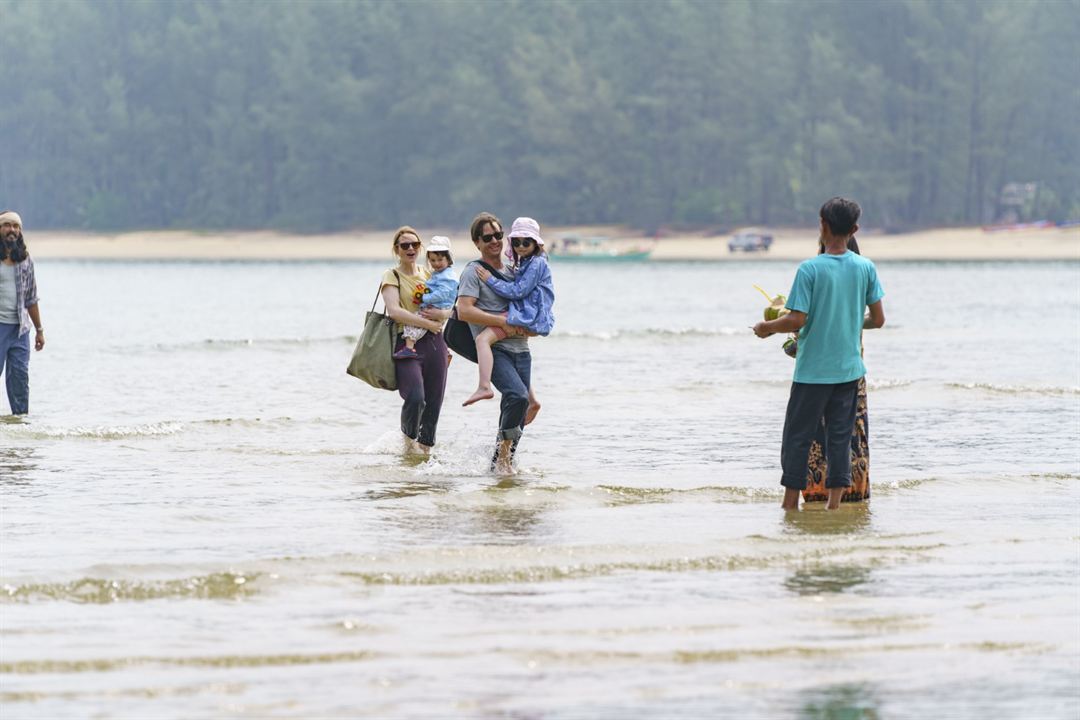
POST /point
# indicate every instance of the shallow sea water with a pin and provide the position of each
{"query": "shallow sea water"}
(205, 517)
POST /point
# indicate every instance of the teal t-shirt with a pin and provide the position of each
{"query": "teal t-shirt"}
(833, 291)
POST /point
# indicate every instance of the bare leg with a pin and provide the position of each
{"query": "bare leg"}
(485, 359)
(834, 498)
(503, 459)
(533, 409)
(410, 343)
(791, 499)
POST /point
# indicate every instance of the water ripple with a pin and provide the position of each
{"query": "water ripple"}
(27, 667)
(217, 586)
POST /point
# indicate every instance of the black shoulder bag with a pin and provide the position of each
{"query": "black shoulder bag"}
(457, 334)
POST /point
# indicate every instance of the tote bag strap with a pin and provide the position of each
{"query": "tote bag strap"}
(378, 293)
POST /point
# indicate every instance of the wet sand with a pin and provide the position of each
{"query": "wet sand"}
(789, 244)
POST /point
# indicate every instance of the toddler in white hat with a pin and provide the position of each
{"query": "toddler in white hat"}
(441, 291)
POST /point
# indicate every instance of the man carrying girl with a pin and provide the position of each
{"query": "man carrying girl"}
(482, 307)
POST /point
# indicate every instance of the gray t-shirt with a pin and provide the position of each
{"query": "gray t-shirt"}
(9, 311)
(487, 300)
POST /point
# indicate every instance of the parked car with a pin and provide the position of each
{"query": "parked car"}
(749, 241)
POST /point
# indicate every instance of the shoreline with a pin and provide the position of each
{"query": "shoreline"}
(789, 244)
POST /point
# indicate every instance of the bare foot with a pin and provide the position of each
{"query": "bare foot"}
(480, 394)
(531, 411)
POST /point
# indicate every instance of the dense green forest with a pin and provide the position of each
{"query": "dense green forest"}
(320, 115)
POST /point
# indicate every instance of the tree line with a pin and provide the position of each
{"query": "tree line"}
(329, 114)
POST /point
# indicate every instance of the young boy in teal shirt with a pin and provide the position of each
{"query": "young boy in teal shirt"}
(827, 301)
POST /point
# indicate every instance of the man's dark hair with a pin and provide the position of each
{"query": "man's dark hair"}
(841, 215)
(15, 251)
(478, 223)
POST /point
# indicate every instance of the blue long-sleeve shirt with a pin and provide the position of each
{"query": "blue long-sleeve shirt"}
(441, 289)
(531, 294)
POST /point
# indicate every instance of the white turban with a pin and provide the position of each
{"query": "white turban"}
(10, 217)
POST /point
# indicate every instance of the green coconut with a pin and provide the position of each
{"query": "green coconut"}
(775, 309)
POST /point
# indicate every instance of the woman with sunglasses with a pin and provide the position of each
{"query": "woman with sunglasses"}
(421, 378)
(480, 306)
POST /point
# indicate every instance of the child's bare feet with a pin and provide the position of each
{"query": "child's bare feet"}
(531, 411)
(480, 394)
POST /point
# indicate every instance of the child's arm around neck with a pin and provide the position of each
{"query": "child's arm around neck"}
(529, 274)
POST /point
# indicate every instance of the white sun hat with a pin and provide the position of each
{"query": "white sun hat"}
(439, 243)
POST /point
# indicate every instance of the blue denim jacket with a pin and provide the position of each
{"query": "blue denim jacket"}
(441, 289)
(531, 294)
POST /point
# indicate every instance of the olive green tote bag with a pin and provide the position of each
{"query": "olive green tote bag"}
(372, 359)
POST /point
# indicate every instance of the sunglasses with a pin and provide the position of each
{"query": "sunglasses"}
(521, 242)
(408, 245)
(492, 236)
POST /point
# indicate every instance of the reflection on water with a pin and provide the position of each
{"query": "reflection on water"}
(507, 519)
(407, 489)
(827, 579)
(850, 519)
(16, 464)
(816, 520)
(841, 702)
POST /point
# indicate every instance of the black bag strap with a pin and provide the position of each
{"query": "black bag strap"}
(378, 293)
(487, 266)
(492, 270)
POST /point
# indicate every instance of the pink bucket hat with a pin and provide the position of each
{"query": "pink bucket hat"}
(526, 227)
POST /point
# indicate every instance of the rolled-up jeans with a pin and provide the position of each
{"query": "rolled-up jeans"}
(422, 384)
(511, 375)
(15, 366)
(808, 405)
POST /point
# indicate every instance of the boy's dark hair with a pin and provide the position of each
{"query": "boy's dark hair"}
(841, 215)
(852, 245)
(442, 253)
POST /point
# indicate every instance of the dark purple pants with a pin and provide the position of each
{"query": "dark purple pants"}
(422, 384)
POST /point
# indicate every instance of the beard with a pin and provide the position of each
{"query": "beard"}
(13, 247)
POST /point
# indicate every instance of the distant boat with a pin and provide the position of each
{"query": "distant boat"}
(599, 248)
(1037, 225)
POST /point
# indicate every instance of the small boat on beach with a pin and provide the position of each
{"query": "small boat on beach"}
(600, 248)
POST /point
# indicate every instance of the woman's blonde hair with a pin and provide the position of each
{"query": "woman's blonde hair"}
(403, 230)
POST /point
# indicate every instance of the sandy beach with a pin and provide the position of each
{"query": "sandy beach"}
(789, 244)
